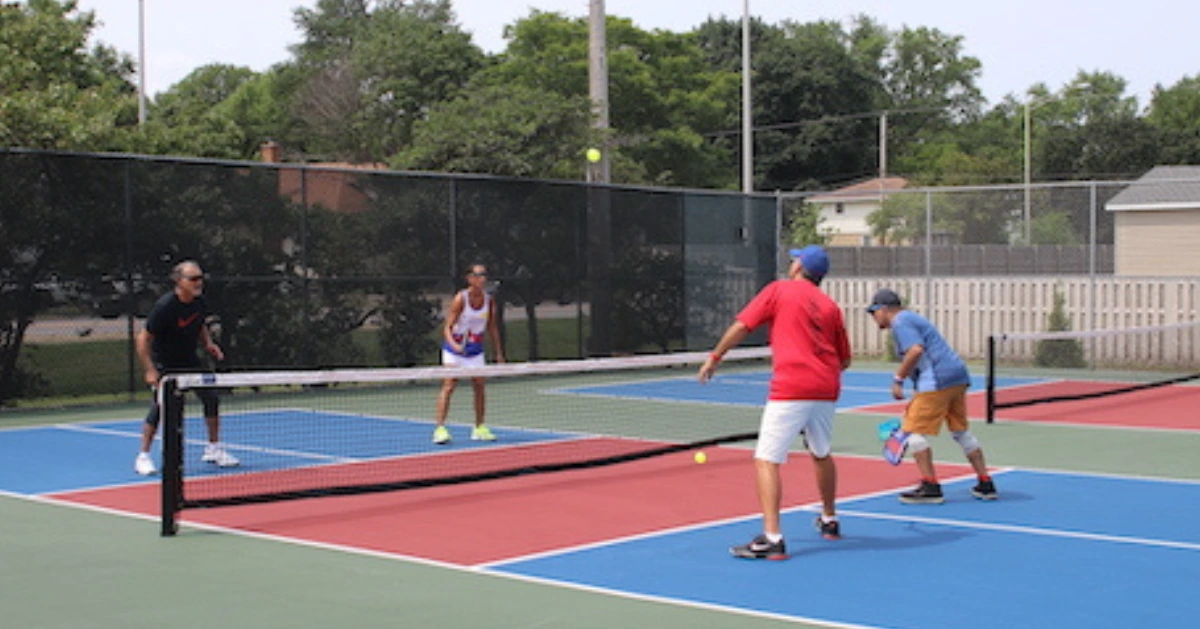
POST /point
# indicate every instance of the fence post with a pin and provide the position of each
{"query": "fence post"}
(991, 378)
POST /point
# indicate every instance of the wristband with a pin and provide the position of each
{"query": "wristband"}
(897, 380)
(715, 357)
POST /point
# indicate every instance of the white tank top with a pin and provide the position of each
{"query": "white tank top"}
(472, 323)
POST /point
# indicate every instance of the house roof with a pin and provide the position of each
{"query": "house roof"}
(869, 190)
(339, 190)
(1163, 188)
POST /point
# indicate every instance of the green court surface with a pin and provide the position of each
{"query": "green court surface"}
(62, 566)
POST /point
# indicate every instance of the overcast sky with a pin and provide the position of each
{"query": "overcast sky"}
(1019, 42)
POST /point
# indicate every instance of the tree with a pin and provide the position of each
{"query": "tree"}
(57, 93)
(261, 108)
(900, 219)
(925, 73)
(510, 130)
(1064, 353)
(1175, 113)
(54, 210)
(810, 91)
(186, 119)
(820, 87)
(373, 72)
(804, 225)
(664, 97)
(648, 300)
(1053, 228)
(1091, 130)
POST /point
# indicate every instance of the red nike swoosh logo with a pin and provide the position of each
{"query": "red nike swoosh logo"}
(183, 323)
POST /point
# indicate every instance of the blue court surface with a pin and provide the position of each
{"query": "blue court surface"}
(1057, 550)
(88, 455)
(859, 389)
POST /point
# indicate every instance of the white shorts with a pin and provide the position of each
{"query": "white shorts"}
(784, 420)
(458, 360)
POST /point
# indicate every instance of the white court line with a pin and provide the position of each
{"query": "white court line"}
(815, 508)
(229, 445)
(1028, 530)
(487, 568)
(693, 527)
(412, 559)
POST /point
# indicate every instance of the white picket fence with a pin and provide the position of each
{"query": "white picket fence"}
(968, 309)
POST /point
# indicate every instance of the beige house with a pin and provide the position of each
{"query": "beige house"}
(844, 211)
(1157, 224)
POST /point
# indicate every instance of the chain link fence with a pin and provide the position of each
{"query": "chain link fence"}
(323, 267)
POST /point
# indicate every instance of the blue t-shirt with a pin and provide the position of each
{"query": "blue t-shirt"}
(939, 366)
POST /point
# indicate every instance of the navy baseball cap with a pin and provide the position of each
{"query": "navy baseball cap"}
(813, 258)
(884, 298)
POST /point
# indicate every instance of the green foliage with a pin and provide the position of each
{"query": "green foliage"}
(1061, 353)
(1175, 113)
(1091, 130)
(663, 96)
(900, 219)
(43, 244)
(56, 92)
(647, 301)
(408, 320)
(509, 130)
(218, 111)
(1054, 228)
(809, 72)
(373, 72)
(804, 225)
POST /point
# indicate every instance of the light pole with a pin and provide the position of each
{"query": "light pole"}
(1029, 105)
(747, 108)
(1028, 174)
(598, 86)
(141, 62)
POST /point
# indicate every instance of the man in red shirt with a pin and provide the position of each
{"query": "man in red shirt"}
(809, 351)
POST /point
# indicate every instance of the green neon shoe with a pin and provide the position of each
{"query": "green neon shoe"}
(441, 435)
(482, 433)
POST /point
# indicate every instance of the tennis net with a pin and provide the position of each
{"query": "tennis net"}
(1027, 369)
(309, 434)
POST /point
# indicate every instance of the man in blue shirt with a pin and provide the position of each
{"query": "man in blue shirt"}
(940, 381)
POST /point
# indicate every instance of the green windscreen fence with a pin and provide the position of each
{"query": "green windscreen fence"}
(314, 267)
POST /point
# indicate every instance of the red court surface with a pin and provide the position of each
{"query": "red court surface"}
(496, 520)
(1169, 408)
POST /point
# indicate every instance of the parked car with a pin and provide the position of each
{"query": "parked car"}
(113, 297)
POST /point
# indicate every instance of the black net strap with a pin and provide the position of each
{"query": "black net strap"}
(419, 483)
(1097, 394)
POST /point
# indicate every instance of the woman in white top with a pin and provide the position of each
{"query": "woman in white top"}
(472, 315)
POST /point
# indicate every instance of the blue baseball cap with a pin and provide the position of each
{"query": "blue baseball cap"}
(813, 258)
(884, 298)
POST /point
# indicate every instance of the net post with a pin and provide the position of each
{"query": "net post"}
(991, 378)
(170, 408)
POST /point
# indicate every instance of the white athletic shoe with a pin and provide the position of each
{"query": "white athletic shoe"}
(216, 454)
(144, 465)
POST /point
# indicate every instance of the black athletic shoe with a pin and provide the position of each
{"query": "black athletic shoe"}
(829, 530)
(760, 548)
(925, 493)
(985, 490)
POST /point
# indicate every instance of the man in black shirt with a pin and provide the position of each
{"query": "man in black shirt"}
(167, 344)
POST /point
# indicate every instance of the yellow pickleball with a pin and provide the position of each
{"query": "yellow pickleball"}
(593, 155)
(701, 457)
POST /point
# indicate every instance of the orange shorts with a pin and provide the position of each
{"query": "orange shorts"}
(928, 409)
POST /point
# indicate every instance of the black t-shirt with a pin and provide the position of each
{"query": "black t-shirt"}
(176, 329)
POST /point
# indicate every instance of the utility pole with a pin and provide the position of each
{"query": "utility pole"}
(599, 211)
(141, 62)
(598, 88)
(747, 106)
